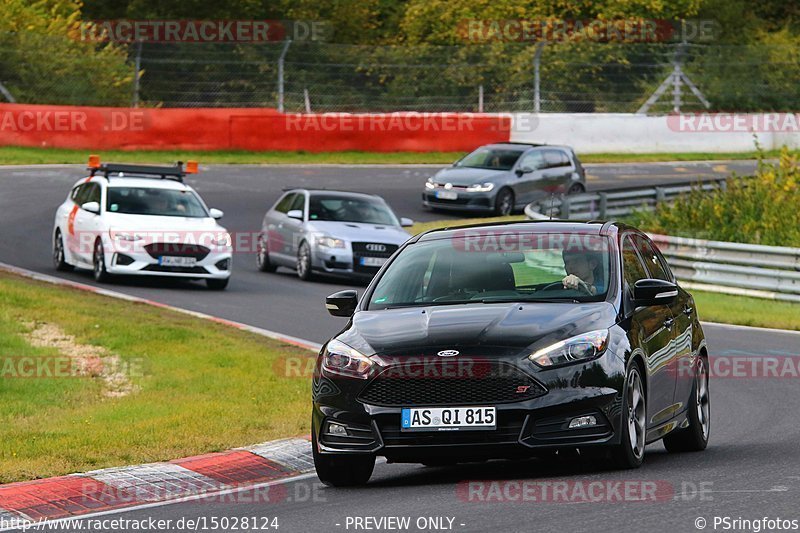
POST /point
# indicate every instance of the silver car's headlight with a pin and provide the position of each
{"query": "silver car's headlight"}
(576, 349)
(327, 241)
(480, 187)
(339, 358)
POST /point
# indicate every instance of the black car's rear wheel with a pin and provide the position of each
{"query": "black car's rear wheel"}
(341, 470)
(629, 453)
(504, 202)
(695, 437)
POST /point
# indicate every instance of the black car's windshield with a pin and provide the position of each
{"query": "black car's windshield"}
(492, 158)
(496, 266)
(340, 208)
(155, 201)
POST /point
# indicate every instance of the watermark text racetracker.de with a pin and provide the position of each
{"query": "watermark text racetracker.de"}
(407, 121)
(734, 122)
(74, 121)
(60, 366)
(597, 491)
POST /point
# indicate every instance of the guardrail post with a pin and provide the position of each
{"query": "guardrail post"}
(723, 185)
(603, 205)
(564, 208)
(660, 196)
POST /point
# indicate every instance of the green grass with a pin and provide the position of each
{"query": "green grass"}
(747, 311)
(18, 155)
(203, 386)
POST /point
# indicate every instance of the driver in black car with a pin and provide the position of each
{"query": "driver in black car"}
(584, 272)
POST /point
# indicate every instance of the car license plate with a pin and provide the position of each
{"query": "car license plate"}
(448, 418)
(373, 261)
(169, 260)
(447, 195)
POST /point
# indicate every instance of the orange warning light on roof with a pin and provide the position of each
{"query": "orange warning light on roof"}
(94, 161)
(191, 167)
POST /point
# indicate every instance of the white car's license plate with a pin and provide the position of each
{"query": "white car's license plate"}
(170, 260)
(447, 195)
(373, 261)
(448, 418)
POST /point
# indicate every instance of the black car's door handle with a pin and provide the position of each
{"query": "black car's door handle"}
(688, 310)
(668, 323)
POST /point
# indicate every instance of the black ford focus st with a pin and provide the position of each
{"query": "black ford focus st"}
(508, 341)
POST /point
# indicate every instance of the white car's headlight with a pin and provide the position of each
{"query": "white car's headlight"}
(575, 349)
(222, 239)
(341, 359)
(480, 187)
(127, 237)
(329, 242)
(429, 184)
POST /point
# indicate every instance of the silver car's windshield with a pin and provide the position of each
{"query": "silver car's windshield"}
(479, 266)
(154, 201)
(338, 208)
(490, 158)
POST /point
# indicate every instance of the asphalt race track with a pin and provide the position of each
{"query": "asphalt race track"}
(749, 471)
(29, 197)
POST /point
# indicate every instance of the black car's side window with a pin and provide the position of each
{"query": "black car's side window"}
(652, 259)
(632, 268)
(286, 203)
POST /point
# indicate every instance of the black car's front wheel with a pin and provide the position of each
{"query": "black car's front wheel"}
(695, 437)
(340, 470)
(629, 453)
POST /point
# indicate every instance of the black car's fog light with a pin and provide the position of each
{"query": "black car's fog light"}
(583, 422)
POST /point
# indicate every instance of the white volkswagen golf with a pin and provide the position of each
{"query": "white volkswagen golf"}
(141, 220)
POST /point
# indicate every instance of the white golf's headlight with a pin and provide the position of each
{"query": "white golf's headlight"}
(329, 242)
(339, 358)
(573, 350)
(222, 239)
(429, 184)
(480, 187)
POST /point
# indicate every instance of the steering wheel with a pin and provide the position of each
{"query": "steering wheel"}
(583, 287)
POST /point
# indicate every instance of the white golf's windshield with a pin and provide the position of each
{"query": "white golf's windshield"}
(154, 201)
(492, 266)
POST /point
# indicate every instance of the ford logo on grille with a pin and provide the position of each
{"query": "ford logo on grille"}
(448, 353)
(376, 247)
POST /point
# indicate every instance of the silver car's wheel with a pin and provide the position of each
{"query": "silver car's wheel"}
(304, 262)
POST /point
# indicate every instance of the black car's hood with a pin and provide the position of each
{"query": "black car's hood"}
(426, 330)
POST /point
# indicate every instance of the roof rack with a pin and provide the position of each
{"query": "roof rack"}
(176, 172)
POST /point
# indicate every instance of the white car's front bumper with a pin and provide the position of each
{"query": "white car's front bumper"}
(136, 261)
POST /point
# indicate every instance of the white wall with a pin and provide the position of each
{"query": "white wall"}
(631, 133)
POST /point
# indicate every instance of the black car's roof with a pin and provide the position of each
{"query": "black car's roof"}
(597, 227)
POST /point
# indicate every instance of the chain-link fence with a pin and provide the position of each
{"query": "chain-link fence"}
(500, 77)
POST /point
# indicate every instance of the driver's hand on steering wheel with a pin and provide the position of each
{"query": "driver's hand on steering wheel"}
(574, 282)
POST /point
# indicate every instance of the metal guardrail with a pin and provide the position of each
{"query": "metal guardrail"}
(771, 272)
(616, 203)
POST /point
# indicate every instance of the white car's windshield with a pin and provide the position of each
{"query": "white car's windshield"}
(154, 201)
(479, 266)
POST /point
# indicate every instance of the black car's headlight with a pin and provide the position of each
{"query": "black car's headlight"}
(430, 184)
(339, 358)
(576, 349)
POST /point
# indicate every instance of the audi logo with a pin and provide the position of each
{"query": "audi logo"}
(376, 247)
(448, 353)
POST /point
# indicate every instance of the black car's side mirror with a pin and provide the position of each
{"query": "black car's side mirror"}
(648, 292)
(342, 303)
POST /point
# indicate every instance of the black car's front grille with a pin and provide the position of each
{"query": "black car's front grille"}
(481, 382)
(509, 427)
(371, 249)
(158, 249)
(176, 269)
